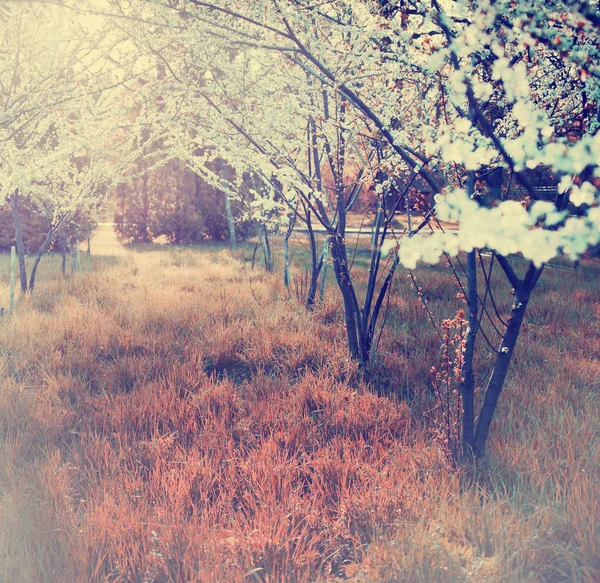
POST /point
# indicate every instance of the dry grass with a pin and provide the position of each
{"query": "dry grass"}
(160, 420)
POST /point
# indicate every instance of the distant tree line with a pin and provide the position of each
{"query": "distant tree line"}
(176, 203)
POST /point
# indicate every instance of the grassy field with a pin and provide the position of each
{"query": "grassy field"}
(167, 414)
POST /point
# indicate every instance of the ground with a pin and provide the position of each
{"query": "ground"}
(169, 414)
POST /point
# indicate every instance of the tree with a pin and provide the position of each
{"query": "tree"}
(486, 79)
(55, 94)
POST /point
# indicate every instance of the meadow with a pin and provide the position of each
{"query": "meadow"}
(170, 414)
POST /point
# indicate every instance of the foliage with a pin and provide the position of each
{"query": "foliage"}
(469, 87)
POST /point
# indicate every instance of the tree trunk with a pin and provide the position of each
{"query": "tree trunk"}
(324, 257)
(19, 241)
(375, 259)
(350, 313)
(286, 249)
(42, 250)
(286, 262)
(467, 387)
(267, 250)
(315, 265)
(230, 222)
(13, 266)
(503, 360)
(228, 210)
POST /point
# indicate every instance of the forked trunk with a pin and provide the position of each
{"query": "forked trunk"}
(354, 330)
(41, 252)
(509, 341)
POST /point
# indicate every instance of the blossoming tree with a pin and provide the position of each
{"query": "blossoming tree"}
(454, 93)
(59, 128)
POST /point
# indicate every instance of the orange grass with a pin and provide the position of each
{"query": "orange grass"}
(161, 421)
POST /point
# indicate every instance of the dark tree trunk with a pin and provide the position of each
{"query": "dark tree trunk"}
(345, 285)
(19, 241)
(467, 387)
(468, 383)
(323, 269)
(375, 259)
(315, 265)
(286, 262)
(286, 249)
(267, 250)
(42, 250)
(523, 291)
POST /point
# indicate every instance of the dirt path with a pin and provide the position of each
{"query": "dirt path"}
(105, 242)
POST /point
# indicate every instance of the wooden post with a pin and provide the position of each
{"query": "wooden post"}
(13, 268)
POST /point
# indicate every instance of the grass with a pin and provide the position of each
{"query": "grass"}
(163, 420)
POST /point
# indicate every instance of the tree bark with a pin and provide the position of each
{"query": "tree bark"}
(324, 257)
(496, 383)
(375, 259)
(230, 222)
(13, 265)
(267, 249)
(228, 210)
(467, 387)
(19, 241)
(42, 250)
(350, 314)
(316, 264)
(286, 249)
